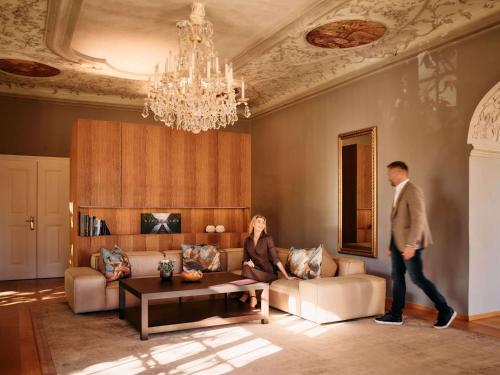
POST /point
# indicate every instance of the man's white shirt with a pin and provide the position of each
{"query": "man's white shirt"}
(399, 187)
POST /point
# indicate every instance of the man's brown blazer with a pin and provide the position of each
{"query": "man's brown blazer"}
(409, 223)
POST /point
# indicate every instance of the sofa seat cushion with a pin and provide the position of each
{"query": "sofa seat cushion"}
(334, 299)
(112, 301)
(284, 295)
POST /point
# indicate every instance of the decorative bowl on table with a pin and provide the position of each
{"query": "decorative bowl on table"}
(191, 275)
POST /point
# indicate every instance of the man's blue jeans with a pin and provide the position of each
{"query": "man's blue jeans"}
(415, 269)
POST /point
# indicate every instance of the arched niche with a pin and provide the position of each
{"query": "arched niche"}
(484, 207)
(484, 128)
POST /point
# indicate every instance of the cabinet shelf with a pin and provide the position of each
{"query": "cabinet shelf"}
(159, 234)
(165, 208)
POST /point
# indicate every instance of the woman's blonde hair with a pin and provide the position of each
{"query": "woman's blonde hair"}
(255, 217)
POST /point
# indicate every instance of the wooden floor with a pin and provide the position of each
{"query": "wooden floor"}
(23, 352)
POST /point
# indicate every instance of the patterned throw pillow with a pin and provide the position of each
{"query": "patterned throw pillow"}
(305, 263)
(116, 263)
(200, 257)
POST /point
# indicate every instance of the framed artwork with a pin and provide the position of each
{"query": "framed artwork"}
(158, 223)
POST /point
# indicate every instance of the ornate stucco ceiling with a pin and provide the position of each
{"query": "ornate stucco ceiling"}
(105, 49)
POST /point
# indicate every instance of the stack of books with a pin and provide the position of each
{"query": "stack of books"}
(92, 226)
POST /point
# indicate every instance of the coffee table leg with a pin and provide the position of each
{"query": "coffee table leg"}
(144, 318)
(264, 305)
(121, 302)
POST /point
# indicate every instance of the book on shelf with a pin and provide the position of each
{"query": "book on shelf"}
(92, 226)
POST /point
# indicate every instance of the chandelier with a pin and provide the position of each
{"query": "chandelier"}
(192, 92)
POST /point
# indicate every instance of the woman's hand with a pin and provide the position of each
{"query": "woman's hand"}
(288, 277)
(249, 263)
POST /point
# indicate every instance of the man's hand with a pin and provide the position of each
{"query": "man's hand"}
(389, 252)
(250, 263)
(409, 252)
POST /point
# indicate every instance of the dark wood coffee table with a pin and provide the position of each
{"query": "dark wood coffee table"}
(178, 315)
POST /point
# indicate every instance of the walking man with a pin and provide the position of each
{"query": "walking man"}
(410, 234)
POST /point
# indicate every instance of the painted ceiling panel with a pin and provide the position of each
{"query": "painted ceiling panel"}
(106, 49)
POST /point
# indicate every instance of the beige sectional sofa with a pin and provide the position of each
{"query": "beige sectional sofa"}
(87, 289)
(349, 295)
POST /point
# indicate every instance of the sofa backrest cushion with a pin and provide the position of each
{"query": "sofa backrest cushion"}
(144, 263)
(232, 259)
(328, 265)
(349, 266)
(235, 257)
(282, 254)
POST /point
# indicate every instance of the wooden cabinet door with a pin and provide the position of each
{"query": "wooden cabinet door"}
(234, 158)
(98, 162)
(205, 178)
(182, 156)
(146, 164)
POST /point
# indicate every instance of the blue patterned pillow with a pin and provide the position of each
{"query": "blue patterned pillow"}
(305, 263)
(116, 263)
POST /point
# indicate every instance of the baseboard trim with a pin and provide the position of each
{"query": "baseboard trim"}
(411, 306)
(492, 314)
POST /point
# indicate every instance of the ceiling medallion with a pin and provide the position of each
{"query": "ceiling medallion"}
(345, 34)
(27, 68)
(192, 92)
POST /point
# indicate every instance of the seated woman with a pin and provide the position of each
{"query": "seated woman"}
(258, 253)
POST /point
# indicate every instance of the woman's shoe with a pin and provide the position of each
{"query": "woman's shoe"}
(253, 302)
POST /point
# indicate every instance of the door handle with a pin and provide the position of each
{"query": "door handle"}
(32, 222)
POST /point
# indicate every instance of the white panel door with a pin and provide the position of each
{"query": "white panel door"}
(18, 180)
(53, 217)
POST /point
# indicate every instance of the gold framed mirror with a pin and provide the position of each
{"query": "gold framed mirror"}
(358, 192)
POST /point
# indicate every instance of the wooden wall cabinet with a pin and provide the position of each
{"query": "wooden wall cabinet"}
(120, 170)
(96, 160)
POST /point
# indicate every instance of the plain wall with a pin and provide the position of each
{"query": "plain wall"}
(421, 117)
(42, 127)
(484, 235)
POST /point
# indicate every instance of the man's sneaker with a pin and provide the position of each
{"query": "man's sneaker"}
(445, 319)
(389, 319)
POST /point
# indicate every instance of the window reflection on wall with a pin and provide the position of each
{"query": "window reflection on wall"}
(437, 80)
